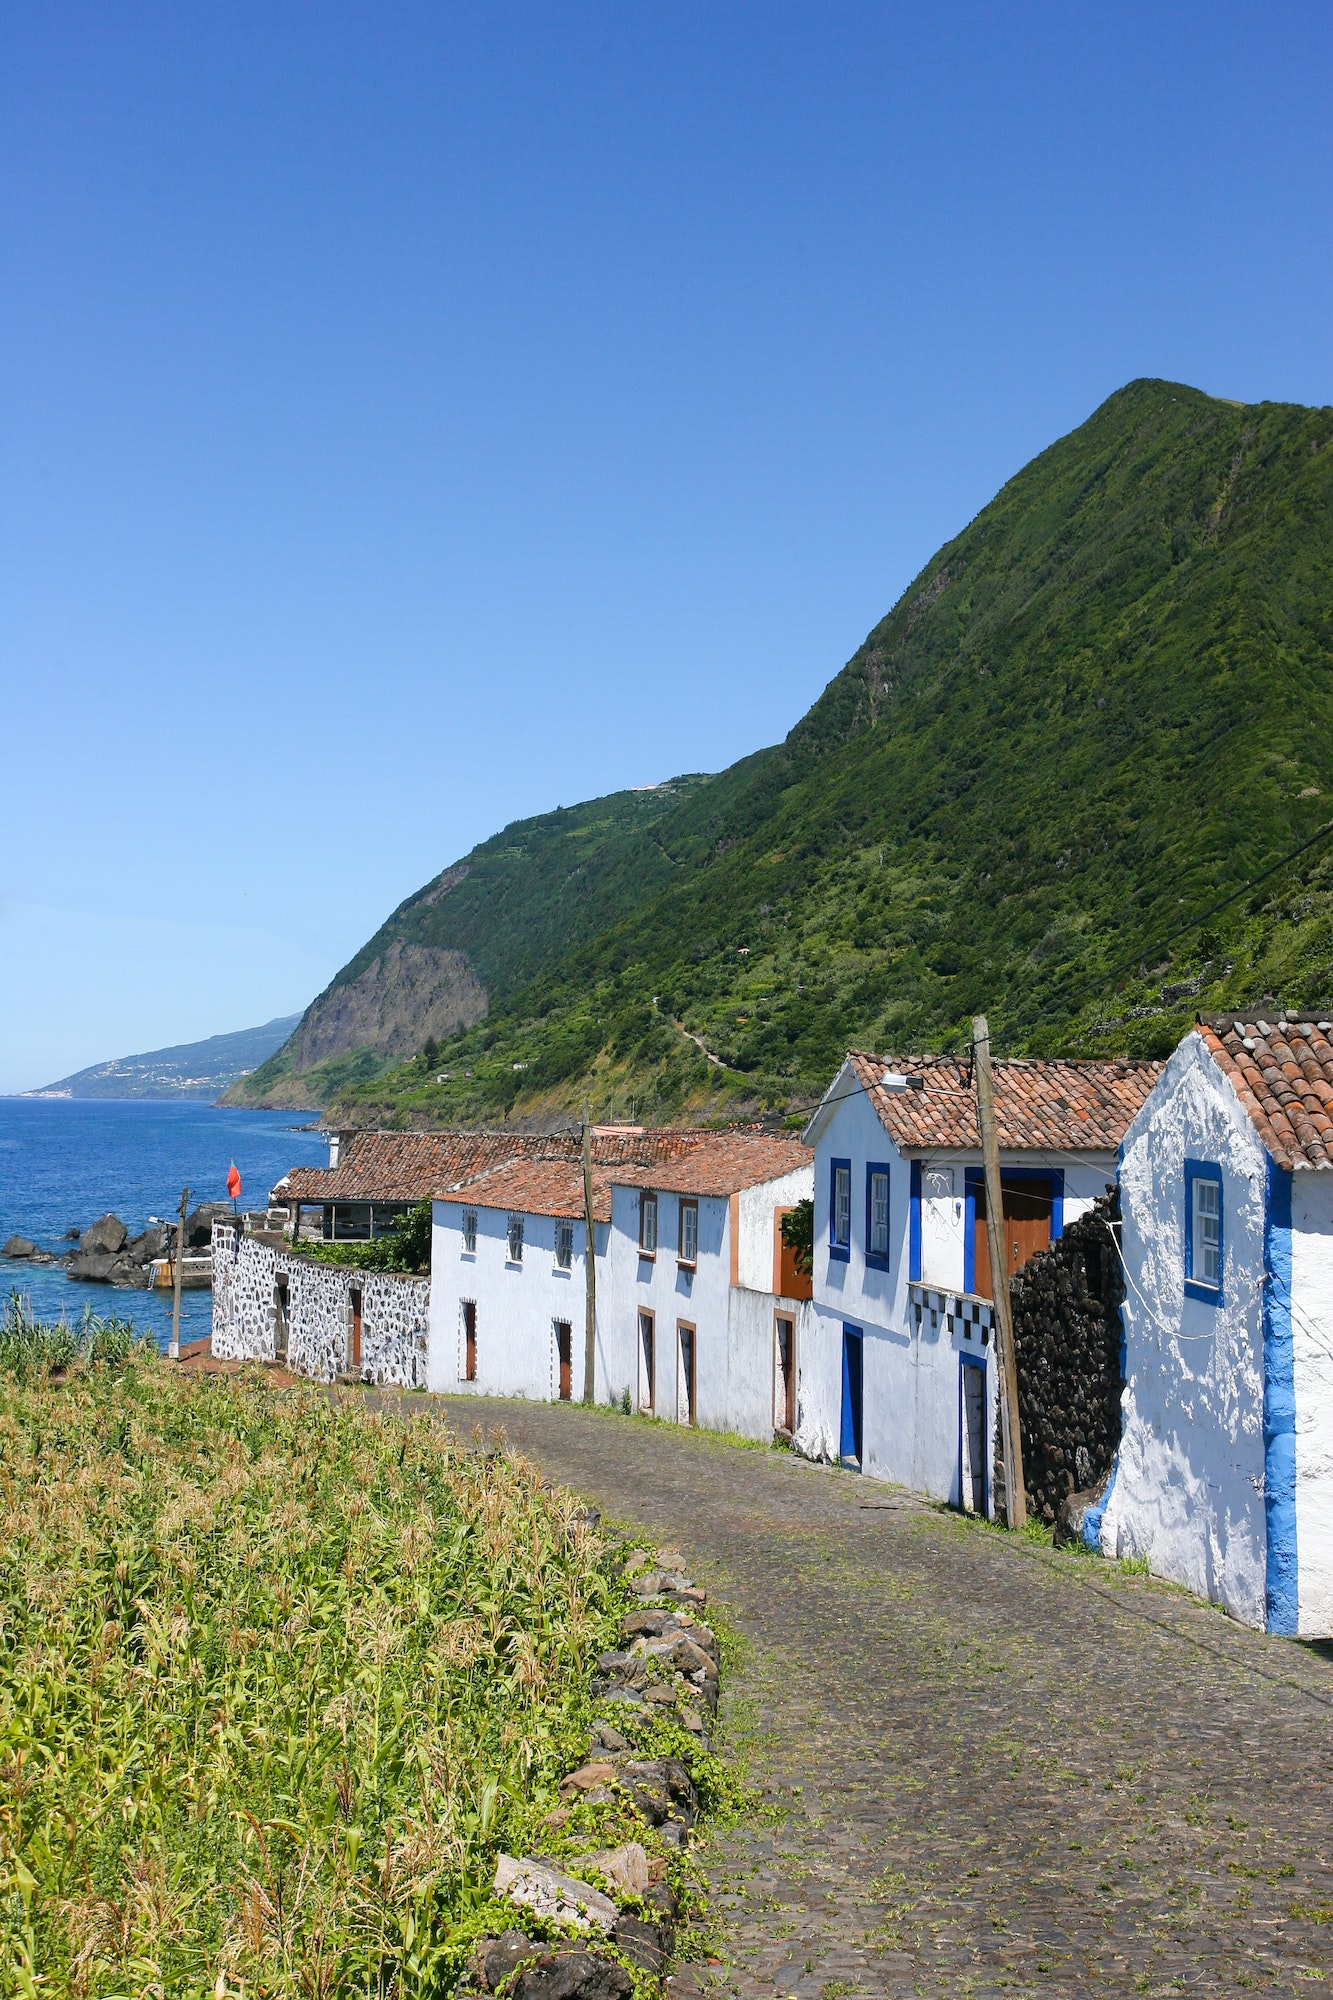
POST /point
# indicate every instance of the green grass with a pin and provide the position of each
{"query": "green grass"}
(1103, 706)
(278, 1676)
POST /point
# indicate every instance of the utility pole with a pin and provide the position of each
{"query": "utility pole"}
(1015, 1502)
(175, 1348)
(589, 1266)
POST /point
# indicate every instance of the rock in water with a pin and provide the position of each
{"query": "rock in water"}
(18, 1246)
(106, 1237)
(93, 1268)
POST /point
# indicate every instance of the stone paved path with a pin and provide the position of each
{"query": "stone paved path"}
(994, 1769)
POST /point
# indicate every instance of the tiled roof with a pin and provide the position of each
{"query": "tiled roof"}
(404, 1166)
(716, 1163)
(537, 1187)
(1039, 1106)
(701, 1163)
(1282, 1072)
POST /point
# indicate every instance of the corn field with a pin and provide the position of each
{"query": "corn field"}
(277, 1678)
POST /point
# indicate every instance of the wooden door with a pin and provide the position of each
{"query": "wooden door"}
(564, 1347)
(280, 1320)
(972, 1483)
(788, 1282)
(1027, 1228)
(686, 1374)
(354, 1357)
(469, 1340)
(786, 1375)
(647, 1372)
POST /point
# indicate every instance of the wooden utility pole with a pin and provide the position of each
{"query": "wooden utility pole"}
(590, 1268)
(1015, 1501)
(175, 1348)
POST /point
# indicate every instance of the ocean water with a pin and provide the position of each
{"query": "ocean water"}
(65, 1161)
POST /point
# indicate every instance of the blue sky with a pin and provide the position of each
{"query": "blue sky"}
(416, 417)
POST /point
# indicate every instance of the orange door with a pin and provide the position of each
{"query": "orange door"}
(788, 1282)
(1027, 1228)
(356, 1329)
(565, 1347)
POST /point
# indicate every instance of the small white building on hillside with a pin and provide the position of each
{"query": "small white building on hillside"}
(898, 1374)
(1224, 1476)
(699, 1310)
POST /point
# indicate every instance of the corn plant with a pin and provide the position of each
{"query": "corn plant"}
(277, 1677)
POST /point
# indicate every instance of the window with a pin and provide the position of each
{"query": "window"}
(564, 1245)
(877, 1216)
(469, 1232)
(516, 1239)
(840, 1209)
(1203, 1230)
(648, 1225)
(689, 1232)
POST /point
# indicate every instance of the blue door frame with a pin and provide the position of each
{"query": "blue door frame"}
(850, 1438)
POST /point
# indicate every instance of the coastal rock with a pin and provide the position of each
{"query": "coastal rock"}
(624, 1867)
(642, 1943)
(106, 1236)
(154, 1242)
(199, 1224)
(538, 1886)
(18, 1246)
(92, 1267)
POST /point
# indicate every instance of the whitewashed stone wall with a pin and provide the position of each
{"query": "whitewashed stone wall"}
(395, 1313)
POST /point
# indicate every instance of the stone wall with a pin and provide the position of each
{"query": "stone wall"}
(1066, 1308)
(395, 1313)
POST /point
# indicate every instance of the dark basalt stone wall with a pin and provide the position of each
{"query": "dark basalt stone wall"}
(1066, 1309)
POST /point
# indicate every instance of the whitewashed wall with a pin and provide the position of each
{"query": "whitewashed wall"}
(672, 1293)
(944, 1202)
(1312, 1357)
(395, 1312)
(517, 1305)
(757, 1209)
(1189, 1481)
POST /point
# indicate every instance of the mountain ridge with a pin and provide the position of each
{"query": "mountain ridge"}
(1103, 703)
(187, 1068)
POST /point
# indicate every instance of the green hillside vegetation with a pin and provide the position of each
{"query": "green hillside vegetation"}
(1100, 709)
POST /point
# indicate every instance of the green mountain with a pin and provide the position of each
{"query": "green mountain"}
(1100, 710)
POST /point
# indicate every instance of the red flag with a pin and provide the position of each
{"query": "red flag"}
(234, 1183)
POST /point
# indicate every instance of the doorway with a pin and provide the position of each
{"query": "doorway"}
(281, 1316)
(1028, 1208)
(469, 1340)
(784, 1412)
(685, 1392)
(647, 1374)
(564, 1354)
(972, 1439)
(354, 1342)
(849, 1443)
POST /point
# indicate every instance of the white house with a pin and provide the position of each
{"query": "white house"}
(1224, 1476)
(699, 1316)
(898, 1375)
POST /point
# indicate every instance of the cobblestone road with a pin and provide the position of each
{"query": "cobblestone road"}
(995, 1769)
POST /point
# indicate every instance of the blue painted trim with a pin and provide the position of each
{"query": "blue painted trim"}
(1281, 1596)
(1057, 1202)
(877, 1263)
(974, 1361)
(973, 1178)
(1203, 1170)
(914, 1226)
(842, 1251)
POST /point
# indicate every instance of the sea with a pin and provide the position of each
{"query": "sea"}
(64, 1161)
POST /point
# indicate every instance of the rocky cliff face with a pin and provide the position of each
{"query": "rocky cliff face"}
(406, 993)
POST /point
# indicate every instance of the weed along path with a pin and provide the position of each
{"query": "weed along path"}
(990, 1768)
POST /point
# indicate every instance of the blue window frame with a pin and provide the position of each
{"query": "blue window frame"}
(1203, 1231)
(840, 1209)
(877, 1215)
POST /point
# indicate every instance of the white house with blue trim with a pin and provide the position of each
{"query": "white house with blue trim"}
(1224, 1476)
(898, 1372)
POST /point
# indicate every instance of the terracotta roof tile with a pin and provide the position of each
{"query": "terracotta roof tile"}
(537, 1187)
(1054, 1106)
(403, 1166)
(1282, 1074)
